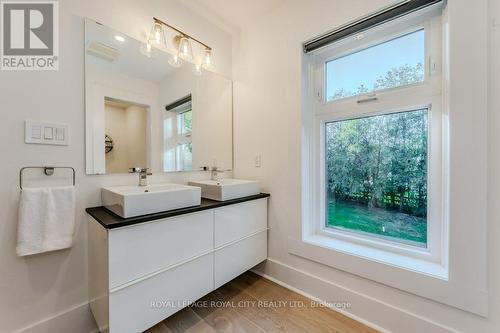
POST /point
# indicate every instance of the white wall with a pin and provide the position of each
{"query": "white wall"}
(35, 289)
(267, 90)
(136, 123)
(212, 123)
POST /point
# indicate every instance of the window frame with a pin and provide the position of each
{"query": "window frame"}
(421, 95)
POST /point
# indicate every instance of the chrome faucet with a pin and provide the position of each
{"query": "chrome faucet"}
(143, 175)
(214, 173)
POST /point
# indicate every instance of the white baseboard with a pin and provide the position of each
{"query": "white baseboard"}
(77, 319)
(374, 313)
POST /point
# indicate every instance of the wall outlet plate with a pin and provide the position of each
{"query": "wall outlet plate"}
(46, 133)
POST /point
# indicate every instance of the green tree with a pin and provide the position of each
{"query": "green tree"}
(396, 77)
(400, 76)
(380, 161)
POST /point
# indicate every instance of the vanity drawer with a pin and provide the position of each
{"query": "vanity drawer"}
(237, 258)
(142, 249)
(141, 305)
(238, 221)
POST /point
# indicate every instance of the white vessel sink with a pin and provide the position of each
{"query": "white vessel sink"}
(227, 189)
(129, 201)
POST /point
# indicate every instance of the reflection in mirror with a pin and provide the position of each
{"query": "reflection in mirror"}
(178, 126)
(143, 112)
(125, 125)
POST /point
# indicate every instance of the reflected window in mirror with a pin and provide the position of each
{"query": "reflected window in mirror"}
(179, 145)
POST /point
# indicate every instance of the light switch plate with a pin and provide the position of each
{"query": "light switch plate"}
(258, 161)
(46, 133)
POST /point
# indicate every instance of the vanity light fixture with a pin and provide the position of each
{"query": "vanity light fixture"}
(146, 50)
(197, 70)
(157, 34)
(208, 60)
(182, 43)
(175, 61)
(185, 50)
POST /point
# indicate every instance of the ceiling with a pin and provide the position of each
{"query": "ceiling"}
(234, 14)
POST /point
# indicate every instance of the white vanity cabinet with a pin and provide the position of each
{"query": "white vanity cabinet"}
(240, 239)
(141, 273)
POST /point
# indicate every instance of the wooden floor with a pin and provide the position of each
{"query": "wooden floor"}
(251, 303)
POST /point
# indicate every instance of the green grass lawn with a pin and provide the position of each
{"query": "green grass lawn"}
(353, 216)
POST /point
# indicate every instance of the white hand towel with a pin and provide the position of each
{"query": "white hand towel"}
(46, 219)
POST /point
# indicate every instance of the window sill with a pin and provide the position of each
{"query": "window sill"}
(373, 254)
(416, 276)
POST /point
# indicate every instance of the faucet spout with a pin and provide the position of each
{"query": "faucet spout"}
(143, 175)
(214, 173)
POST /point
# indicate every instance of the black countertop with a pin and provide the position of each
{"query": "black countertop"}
(110, 220)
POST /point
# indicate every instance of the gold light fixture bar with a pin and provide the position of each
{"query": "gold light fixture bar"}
(182, 33)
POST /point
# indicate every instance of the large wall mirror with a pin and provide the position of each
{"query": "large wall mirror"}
(143, 112)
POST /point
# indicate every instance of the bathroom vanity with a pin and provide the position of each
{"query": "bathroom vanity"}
(144, 269)
(153, 249)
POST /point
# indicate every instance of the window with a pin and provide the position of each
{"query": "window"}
(375, 136)
(184, 122)
(185, 156)
(394, 63)
(452, 98)
(376, 176)
(184, 149)
(178, 127)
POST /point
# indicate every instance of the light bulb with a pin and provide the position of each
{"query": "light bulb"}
(157, 33)
(145, 49)
(185, 51)
(175, 61)
(208, 61)
(197, 69)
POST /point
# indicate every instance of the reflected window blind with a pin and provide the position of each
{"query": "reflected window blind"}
(180, 106)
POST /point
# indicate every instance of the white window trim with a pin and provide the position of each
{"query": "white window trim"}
(424, 95)
(466, 286)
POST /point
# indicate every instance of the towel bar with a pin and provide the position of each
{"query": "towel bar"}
(47, 170)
